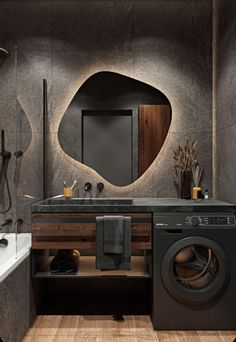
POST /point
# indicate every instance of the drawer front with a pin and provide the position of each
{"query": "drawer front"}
(67, 231)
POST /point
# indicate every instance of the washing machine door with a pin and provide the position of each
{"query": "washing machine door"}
(195, 270)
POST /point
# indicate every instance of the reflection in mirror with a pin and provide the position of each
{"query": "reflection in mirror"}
(115, 125)
(107, 144)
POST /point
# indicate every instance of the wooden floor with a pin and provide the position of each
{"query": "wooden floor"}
(104, 329)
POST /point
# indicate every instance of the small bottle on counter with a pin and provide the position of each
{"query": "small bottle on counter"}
(196, 193)
(206, 196)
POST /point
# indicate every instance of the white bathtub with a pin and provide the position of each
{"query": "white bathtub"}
(17, 250)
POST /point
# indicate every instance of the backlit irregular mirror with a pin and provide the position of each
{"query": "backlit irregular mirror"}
(115, 125)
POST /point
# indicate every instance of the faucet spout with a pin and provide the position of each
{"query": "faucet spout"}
(3, 243)
(87, 186)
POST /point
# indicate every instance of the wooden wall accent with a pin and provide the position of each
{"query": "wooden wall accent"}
(78, 230)
(154, 122)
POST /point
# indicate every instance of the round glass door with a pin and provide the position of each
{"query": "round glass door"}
(195, 270)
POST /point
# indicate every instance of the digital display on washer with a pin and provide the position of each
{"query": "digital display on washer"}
(224, 220)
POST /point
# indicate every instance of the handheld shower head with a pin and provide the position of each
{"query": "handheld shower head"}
(4, 53)
(2, 142)
(5, 159)
(5, 154)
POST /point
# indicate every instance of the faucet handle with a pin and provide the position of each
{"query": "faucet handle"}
(87, 186)
(100, 187)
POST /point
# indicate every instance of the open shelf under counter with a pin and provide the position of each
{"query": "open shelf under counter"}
(87, 269)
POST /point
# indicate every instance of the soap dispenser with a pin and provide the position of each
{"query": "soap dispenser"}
(206, 196)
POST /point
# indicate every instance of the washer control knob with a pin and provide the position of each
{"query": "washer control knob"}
(195, 221)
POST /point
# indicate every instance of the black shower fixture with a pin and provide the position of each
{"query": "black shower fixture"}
(4, 53)
(5, 157)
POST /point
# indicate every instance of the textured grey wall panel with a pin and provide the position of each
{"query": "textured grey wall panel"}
(93, 25)
(21, 98)
(8, 116)
(226, 102)
(226, 163)
(166, 44)
(173, 54)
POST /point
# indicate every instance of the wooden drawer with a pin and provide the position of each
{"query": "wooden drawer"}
(74, 230)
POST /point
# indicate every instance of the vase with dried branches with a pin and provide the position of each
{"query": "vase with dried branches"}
(185, 159)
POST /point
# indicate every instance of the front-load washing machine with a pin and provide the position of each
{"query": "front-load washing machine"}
(194, 271)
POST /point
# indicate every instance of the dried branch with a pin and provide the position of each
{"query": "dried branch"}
(186, 157)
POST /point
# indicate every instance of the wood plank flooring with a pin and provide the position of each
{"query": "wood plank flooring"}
(104, 329)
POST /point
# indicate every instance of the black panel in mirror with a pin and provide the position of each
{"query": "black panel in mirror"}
(107, 144)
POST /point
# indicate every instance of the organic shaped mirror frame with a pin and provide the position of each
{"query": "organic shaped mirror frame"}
(126, 118)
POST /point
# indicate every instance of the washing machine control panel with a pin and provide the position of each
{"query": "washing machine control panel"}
(210, 220)
(180, 221)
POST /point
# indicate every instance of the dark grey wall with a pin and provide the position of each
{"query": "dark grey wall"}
(225, 101)
(166, 44)
(25, 173)
(20, 112)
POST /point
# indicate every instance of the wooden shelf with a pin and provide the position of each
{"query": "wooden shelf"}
(87, 269)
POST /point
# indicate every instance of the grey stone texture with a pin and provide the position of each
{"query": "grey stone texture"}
(165, 44)
(225, 101)
(226, 163)
(173, 54)
(21, 117)
(8, 115)
(93, 26)
(137, 205)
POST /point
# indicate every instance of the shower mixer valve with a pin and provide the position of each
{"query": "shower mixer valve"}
(6, 223)
(6, 154)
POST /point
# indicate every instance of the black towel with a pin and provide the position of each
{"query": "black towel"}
(65, 260)
(63, 254)
(113, 248)
(113, 234)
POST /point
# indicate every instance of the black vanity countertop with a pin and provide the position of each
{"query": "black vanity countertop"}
(142, 205)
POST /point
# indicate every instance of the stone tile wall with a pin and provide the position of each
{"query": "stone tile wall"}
(225, 100)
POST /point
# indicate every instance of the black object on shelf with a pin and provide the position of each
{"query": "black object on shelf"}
(64, 261)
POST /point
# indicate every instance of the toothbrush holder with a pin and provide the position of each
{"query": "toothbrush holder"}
(68, 193)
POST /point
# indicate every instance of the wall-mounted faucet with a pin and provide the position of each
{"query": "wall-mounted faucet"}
(100, 187)
(87, 186)
(3, 243)
(6, 223)
(4, 53)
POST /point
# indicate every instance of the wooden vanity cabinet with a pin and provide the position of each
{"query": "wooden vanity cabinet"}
(53, 231)
(78, 230)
